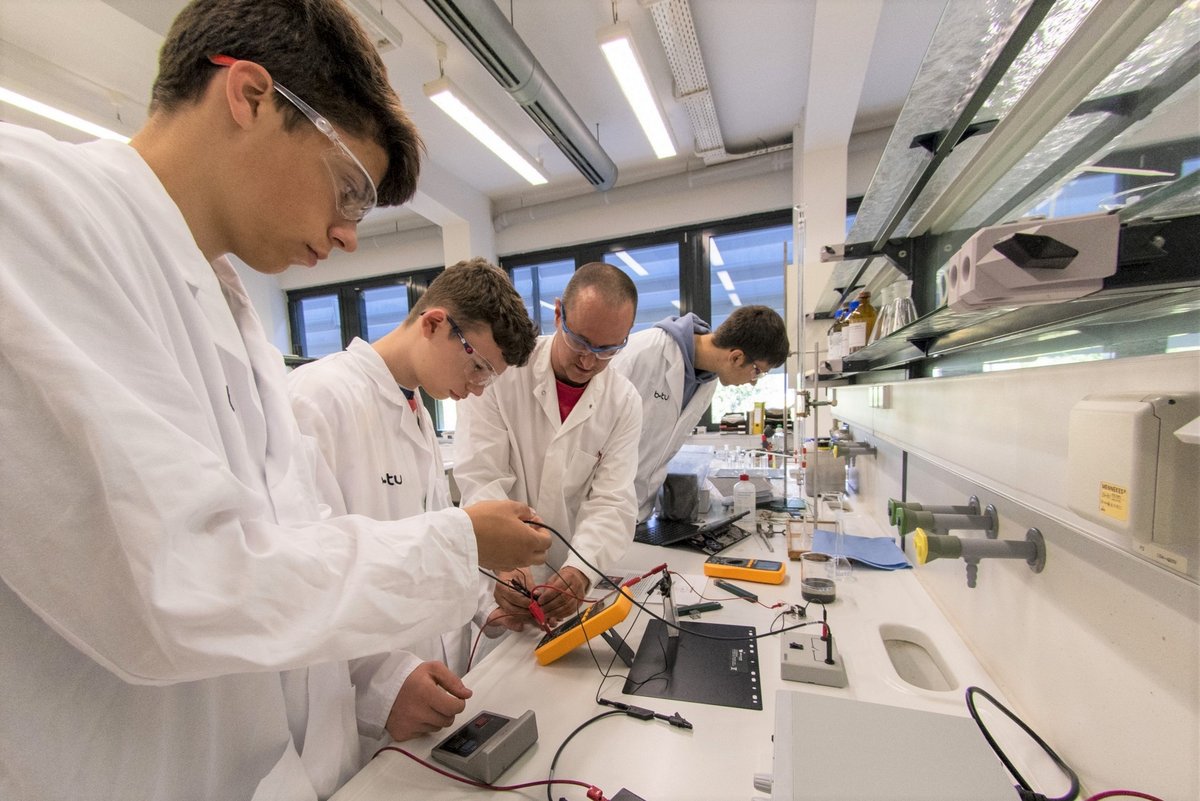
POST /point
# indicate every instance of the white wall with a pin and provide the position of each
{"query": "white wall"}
(1099, 652)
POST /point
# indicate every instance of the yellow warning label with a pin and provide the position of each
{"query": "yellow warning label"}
(1114, 501)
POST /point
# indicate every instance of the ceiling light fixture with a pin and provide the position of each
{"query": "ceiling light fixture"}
(450, 99)
(59, 116)
(734, 299)
(726, 281)
(631, 263)
(616, 41)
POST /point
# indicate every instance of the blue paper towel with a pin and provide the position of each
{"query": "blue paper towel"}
(880, 552)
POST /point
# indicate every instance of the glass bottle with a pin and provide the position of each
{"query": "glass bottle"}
(859, 323)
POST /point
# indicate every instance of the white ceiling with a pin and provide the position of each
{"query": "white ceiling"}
(97, 59)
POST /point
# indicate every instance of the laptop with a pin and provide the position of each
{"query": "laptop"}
(710, 536)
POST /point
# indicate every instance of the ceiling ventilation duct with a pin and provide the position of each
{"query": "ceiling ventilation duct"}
(484, 30)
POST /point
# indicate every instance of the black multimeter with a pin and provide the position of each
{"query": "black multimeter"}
(761, 570)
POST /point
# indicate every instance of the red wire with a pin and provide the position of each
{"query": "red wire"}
(482, 786)
(1126, 793)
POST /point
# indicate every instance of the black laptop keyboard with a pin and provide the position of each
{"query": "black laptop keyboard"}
(710, 542)
(657, 531)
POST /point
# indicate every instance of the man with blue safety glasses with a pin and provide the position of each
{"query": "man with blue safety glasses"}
(561, 433)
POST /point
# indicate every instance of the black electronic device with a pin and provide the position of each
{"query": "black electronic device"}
(700, 536)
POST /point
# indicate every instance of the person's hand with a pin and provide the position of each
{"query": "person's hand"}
(428, 701)
(500, 619)
(563, 595)
(513, 605)
(505, 541)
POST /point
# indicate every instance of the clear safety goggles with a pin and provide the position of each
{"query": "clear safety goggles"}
(479, 370)
(353, 189)
(583, 347)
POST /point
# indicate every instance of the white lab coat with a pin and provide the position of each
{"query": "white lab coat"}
(385, 462)
(653, 362)
(578, 474)
(164, 568)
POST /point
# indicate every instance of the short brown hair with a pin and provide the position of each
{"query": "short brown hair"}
(479, 294)
(757, 331)
(313, 47)
(610, 282)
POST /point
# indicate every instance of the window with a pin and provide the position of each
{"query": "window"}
(655, 271)
(539, 284)
(676, 272)
(748, 268)
(317, 321)
(384, 308)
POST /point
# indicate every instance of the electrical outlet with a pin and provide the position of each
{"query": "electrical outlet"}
(803, 659)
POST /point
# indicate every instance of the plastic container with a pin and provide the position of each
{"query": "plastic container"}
(744, 497)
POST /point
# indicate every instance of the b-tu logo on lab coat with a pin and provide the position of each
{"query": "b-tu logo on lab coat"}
(662, 395)
(391, 480)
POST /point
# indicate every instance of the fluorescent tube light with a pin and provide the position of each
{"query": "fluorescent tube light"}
(617, 43)
(450, 99)
(631, 262)
(59, 116)
(1136, 171)
(734, 299)
(714, 255)
(726, 281)
(546, 305)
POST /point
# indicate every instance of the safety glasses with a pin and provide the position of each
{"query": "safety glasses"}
(353, 189)
(582, 346)
(480, 372)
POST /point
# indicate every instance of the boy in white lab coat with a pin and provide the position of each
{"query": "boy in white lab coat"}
(676, 366)
(363, 407)
(177, 610)
(561, 434)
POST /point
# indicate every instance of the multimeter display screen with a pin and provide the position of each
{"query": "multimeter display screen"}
(754, 564)
(572, 622)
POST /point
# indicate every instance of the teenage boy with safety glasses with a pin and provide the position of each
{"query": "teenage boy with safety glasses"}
(177, 609)
(363, 407)
(561, 434)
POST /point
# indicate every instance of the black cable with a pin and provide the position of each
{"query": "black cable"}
(558, 753)
(590, 566)
(1024, 790)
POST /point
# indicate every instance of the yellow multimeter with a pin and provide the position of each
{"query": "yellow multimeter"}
(761, 570)
(587, 623)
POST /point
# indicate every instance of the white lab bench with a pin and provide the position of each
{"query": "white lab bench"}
(718, 758)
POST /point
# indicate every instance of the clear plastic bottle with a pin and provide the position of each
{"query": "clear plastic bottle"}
(744, 499)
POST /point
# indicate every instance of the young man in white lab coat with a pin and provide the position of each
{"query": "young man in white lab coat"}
(167, 574)
(363, 407)
(676, 366)
(561, 434)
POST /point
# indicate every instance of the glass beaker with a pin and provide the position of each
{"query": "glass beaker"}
(817, 583)
(904, 311)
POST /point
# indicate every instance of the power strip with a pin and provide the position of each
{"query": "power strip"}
(802, 658)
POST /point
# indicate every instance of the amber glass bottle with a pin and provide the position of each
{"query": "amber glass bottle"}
(859, 323)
